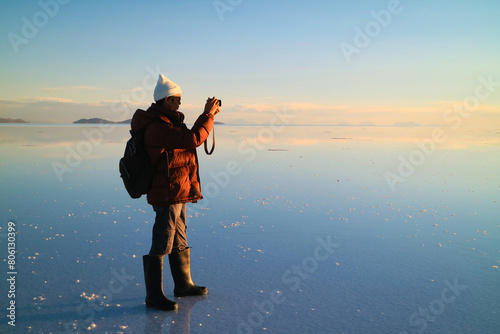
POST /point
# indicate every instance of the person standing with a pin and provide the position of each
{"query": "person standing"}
(176, 182)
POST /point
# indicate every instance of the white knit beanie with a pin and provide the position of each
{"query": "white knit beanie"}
(165, 88)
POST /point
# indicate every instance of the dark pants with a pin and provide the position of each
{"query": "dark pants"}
(169, 231)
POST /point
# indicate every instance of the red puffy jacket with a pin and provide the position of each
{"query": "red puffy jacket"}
(166, 132)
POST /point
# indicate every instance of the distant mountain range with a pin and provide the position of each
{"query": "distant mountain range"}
(100, 121)
(10, 120)
(406, 124)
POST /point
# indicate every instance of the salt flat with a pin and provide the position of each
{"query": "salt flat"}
(302, 230)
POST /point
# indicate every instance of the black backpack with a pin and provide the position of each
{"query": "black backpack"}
(136, 170)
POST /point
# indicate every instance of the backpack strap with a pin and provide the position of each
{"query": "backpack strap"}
(167, 167)
(164, 153)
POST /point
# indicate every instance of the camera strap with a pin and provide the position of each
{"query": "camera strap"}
(213, 143)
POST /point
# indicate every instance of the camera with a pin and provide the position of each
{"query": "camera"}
(220, 103)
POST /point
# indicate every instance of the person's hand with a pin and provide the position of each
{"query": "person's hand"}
(212, 106)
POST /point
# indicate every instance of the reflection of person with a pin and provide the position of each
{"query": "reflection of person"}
(175, 183)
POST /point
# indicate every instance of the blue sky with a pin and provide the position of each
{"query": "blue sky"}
(88, 57)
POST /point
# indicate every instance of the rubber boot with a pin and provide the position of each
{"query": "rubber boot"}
(153, 276)
(180, 266)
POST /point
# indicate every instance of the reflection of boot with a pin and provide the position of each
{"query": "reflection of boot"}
(182, 320)
(158, 322)
(180, 266)
(153, 276)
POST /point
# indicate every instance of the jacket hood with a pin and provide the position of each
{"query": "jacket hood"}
(142, 118)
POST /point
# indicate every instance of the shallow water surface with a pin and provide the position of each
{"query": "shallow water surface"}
(302, 230)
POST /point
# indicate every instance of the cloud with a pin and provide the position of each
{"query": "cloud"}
(445, 105)
(24, 101)
(9, 103)
(52, 100)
